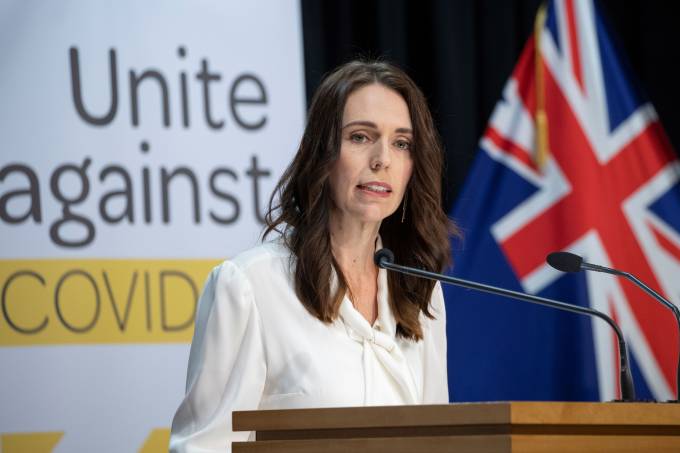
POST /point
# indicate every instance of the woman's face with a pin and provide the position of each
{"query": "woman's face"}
(369, 178)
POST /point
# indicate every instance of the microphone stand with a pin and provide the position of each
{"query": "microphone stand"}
(385, 259)
(563, 261)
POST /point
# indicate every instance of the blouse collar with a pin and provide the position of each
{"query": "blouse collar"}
(379, 342)
(385, 320)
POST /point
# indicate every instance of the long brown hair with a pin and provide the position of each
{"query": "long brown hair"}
(300, 205)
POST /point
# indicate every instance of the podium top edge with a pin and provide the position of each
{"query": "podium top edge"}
(461, 414)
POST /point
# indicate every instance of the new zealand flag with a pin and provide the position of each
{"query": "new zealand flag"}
(574, 158)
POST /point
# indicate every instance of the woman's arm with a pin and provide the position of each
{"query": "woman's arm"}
(435, 385)
(227, 367)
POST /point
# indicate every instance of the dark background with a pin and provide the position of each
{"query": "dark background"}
(461, 52)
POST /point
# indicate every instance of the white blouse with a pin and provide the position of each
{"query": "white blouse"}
(255, 346)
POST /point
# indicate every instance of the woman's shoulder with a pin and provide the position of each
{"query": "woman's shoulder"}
(262, 258)
(272, 250)
(240, 277)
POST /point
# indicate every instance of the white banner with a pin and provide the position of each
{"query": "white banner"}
(140, 141)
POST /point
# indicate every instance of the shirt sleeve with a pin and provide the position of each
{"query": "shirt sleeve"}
(435, 385)
(227, 366)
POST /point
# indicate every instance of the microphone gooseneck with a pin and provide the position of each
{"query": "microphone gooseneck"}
(565, 262)
(384, 258)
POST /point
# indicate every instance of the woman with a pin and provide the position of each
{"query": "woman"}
(308, 320)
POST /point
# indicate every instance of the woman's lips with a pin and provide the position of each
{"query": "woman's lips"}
(376, 188)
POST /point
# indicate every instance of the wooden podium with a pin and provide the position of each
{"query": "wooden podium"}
(460, 428)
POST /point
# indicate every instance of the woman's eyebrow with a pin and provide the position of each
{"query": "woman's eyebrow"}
(372, 125)
(361, 123)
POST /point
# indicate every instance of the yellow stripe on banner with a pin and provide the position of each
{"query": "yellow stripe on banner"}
(157, 442)
(99, 301)
(29, 442)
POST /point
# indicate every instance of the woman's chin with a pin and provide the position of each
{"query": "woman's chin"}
(371, 216)
(361, 214)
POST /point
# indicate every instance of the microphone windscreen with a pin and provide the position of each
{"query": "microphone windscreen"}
(383, 255)
(565, 261)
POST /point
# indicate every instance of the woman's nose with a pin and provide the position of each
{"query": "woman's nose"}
(381, 155)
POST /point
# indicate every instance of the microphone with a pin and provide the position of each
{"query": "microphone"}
(570, 262)
(384, 258)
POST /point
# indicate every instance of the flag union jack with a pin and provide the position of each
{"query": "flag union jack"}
(607, 188)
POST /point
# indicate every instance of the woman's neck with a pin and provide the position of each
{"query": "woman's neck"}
(353, 245)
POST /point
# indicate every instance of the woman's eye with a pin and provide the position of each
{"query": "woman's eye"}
(358, 138)
(403, 144)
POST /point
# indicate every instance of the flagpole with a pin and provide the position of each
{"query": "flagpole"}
(541, 117)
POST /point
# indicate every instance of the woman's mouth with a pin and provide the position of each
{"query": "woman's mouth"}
(377, 188)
